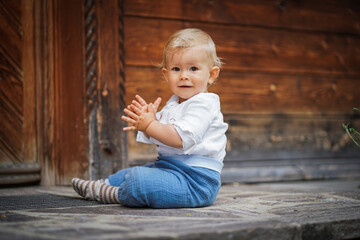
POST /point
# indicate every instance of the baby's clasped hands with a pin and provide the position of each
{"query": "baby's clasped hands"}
(140, 114)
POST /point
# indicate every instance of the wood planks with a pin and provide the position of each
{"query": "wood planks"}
(330, 16)
(250, 48)
(18, 132)
(11, 84)
(71, 146)
(291, 75)
(88, 90)
(261, 63)
(284, 136)
(61, 90)
(251, 92)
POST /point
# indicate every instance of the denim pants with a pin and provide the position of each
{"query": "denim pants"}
(166, 183)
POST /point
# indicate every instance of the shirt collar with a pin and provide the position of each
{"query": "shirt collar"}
(174, 98)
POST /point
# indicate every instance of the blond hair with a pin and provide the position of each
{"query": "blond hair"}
(191, 37)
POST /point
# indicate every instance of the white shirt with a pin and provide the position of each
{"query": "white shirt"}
(200, 124)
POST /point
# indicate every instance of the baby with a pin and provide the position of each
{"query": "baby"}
(189, 133)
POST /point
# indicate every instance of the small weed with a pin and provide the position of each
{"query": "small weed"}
(353, 134)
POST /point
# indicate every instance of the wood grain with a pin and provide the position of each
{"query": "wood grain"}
(260, 92)
(325, 16)
(30, 133)
(250, 48)
(287, 137)
(70, 94)
(258, 140)
(18, 132)
(45, 96)
(110, 137)
(11, 84)
(291, 76)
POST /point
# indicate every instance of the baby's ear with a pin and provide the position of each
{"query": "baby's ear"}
(214, 74)
(164, 72)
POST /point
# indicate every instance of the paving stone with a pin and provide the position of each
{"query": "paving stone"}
(304, 210)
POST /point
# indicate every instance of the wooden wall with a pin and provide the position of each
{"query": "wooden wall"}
(291, 78)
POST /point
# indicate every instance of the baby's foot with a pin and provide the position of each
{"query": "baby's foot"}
(105, 193)
(84, 188)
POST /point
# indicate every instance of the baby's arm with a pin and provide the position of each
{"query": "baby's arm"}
(142, 118)
(164, 133)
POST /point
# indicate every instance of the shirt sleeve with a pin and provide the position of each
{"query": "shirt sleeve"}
(141, 137)
(196, 119)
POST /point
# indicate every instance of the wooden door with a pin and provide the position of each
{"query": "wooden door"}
(89, 89)
(62, 90)
(18, 127)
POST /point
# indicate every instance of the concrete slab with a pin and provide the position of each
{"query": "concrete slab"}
(298, 210)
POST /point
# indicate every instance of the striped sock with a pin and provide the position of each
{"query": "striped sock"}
(105, 193)
(84, 188)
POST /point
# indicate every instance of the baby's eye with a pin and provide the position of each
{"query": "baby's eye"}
(176, 69)
(193, 69)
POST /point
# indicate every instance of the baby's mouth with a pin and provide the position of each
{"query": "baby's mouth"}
(185, 86)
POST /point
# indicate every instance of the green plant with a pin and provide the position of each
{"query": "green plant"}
(353, 134)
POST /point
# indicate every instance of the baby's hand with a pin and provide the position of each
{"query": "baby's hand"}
(145, 118)
(142, 105)
(138, 114)
(138, 118)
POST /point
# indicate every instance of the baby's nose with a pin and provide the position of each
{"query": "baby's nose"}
(183, 75)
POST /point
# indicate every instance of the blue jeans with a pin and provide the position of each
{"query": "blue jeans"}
(166, 183)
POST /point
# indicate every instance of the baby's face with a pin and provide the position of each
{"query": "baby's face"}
(188, 72)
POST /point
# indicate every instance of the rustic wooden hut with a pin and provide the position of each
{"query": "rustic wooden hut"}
(291, 78)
